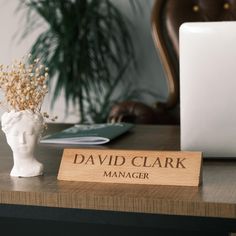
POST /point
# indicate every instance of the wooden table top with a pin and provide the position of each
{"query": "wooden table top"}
(215, 198)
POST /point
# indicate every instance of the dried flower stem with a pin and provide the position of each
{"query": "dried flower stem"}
(24, 85)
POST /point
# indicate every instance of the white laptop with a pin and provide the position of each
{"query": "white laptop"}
(208, 88)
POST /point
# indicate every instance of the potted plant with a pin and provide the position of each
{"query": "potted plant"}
(24, 88)
(88, 47)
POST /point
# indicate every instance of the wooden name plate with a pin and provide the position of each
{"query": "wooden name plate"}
(131, 166)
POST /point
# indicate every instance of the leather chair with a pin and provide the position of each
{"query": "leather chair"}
(166, 18)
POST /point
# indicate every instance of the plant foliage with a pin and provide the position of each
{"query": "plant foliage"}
(87, 46)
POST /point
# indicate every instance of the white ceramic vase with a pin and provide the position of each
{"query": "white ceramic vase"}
(23, 130)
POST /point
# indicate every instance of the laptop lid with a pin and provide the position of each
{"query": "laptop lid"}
(208, 88)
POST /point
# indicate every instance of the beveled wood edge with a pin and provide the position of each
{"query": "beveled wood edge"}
(119, 204)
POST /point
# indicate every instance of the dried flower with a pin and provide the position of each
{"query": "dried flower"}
(24, 85)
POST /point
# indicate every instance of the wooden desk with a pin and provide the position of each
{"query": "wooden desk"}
(210, 208)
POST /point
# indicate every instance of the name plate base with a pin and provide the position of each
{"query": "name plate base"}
(131, 166)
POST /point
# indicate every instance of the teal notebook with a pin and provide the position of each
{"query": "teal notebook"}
(88, 134)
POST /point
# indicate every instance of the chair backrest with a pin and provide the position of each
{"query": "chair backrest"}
(167, 16)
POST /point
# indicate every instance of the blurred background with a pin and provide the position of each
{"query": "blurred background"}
(141, 78)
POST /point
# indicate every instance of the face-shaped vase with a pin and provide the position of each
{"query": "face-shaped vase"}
(23, 130)
(23, 136)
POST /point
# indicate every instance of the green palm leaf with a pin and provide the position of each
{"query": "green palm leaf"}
(87, 46)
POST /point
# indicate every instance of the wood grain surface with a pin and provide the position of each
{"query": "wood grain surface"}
(131, 166)
(215, 198)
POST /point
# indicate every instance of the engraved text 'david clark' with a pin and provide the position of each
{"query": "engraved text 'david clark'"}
(136, 161)
(131, 166)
